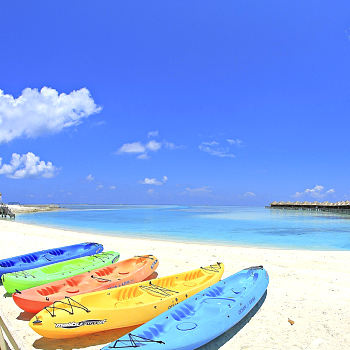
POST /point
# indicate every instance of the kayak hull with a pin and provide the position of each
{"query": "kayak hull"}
(121, 307)
(48, 256)
(115, 275)
(21, 280)
(202, 317)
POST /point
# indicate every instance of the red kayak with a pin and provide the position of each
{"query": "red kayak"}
(133, 270)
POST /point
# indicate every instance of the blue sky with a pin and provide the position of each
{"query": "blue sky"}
(170, 102)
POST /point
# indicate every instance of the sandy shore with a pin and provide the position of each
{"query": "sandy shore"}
(309, 287)
(32, 208)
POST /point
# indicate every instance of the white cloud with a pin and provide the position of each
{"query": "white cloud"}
(90, 178)
(143, 148)
(316, 192)
(153, 145)
(249, 194)
(236, 142)
(143, 156)
(37, 113)
(138, 147)
(27, 166)
(171, 145)
(153, 181)
(135, 147)
(212, 143)
(152, 134)
(198, 191)
(150, 191)
(112, 187)
(213, 149)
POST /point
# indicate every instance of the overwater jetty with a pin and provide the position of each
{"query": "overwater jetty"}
(318, 206)
(6, 211)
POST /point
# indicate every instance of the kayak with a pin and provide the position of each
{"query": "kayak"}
(17, 281)
(47, 257)
(121, 307)
(119, 274)
(202, 317)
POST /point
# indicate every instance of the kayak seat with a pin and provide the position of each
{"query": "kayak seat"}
(186, 310)
(56, 252)
(106, 271)
(154, 331)
(165, 282)
(29, 258)
(181, 313)
(7, 263)
(190, 284)
(214, 292)
(147, 334)
(48, 291)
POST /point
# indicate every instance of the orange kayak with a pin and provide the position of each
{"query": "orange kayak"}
(122, 273)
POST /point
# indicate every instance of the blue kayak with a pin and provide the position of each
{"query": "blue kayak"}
(48, 257)
(202, 317)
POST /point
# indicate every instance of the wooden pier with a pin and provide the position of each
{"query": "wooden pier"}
(5, 210)
(343, 206)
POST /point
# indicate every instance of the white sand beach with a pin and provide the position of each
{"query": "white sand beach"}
(311, 288)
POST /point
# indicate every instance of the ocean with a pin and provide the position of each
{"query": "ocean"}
(222, 225)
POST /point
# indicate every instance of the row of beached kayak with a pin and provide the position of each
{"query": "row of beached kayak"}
(78, 293)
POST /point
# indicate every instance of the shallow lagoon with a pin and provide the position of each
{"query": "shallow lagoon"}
(226, 225)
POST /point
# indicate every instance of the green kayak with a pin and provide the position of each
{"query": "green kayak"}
(20, 280)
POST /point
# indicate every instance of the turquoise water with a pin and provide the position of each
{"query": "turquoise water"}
(242, 226)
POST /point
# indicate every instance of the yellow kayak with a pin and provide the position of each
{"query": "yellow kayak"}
(121, 307)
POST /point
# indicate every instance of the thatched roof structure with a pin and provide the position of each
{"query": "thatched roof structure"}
(342, 205)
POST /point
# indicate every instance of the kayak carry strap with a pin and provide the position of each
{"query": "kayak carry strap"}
(24, 274)
(150, 256)
(134, 341)
(212, 268)
(100, 278)
(54, 306)
(101, 256)
(154, 289)
(260, 267)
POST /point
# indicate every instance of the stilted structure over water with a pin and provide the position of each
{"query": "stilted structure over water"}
(318, 206)
(5, 210)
